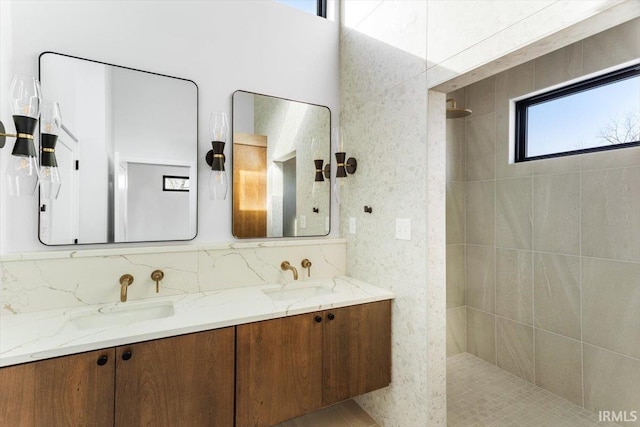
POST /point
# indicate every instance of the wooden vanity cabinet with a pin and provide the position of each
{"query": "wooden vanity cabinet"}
(356, 351)
(295, 365)
(186, 380)
(74, 390)
(279, 369)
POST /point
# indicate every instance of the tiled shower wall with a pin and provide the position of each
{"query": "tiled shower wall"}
(551, 251)
(456, 306)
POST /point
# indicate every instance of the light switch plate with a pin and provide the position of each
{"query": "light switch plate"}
(352, 225)
(303, 221)
(403, 229)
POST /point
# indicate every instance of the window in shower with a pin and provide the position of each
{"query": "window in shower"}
(601, 113)
(314, 7)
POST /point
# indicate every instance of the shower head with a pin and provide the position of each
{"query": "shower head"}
(455, 112)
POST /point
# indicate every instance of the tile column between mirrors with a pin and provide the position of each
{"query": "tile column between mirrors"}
(384, 112)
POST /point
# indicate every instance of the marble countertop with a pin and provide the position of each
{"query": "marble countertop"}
(46, 334)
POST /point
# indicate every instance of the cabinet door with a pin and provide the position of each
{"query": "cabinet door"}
(356, 350)
(181, 381)
(73, 390)
(279, 369)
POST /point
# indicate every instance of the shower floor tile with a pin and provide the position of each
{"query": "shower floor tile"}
(481, 394)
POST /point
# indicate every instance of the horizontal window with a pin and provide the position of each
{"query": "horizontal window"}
(314, 7)
(175, 183)
(601, 113)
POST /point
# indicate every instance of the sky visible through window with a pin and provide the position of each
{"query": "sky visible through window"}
(310, 6)
(593, 118)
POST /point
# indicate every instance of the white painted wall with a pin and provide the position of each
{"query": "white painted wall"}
(260, 46)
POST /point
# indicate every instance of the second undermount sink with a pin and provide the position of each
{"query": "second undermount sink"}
(290, 292)
(119, 315)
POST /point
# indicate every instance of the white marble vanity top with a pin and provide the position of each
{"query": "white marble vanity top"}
(46, 334)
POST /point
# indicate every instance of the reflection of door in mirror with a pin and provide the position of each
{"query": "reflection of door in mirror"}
(63, 232)
(145, 118)
(250, 195)
(297, 134)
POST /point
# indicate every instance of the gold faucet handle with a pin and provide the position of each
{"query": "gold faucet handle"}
(306, 264)
(157, 276)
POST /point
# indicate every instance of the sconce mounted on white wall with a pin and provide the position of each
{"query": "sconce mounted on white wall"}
(23, 174)
(219, 131)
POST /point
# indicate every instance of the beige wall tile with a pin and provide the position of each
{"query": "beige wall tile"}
(556, 165)
(513, 83)
(515, 348)
(480, 280)
(480, 216)
(557, 294)
(611, 383)
(558, 362)
(514, 285)
(455, 276)
(611, 214)
(556, 213)
(514, 213)
(611, 305)
(480, 146)
(455, 206)
(481, 336)
(505, 169)
(510, 84)
(456, 330)
(481, 96)
(611, 47)
(559, 66)
(622, 158)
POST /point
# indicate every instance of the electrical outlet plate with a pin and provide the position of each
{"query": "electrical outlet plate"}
(352, 225)
(403, 229)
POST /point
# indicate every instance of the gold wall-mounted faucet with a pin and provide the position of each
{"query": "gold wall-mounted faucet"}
(157, 276)
(126, 280)
(285, 265)
(306, 264)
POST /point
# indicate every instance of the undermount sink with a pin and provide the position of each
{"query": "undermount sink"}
(297, 292)
(122, 315)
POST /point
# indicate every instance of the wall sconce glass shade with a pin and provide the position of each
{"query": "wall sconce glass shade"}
(22, 171)
(218, 185)
(218, 131)
(50, 122)
(25, 96)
